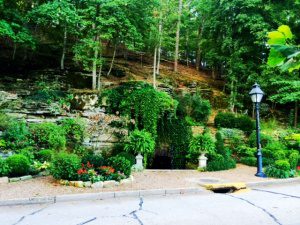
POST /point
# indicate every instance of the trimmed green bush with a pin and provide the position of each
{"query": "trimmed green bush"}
(277, 155)
(249, 161)
(220, 163)
(244, 123)
(121, 164)
(48, 135)
(128, 156)
(293, 159)
(225, 119)
(65, 166)
(18, 165)
(282, 164)
(28, 153)
(4, 169)
(45, 155)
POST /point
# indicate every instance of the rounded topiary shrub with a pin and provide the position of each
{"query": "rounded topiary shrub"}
(225, 119)
(45, 155)
(249, 161)
(245, 123)
(221, 163)
(65, 166)
(121, 164)
(18, 165)
(4, 169)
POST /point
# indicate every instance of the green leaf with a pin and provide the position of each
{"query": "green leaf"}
(286, 31)
(276, 38)
(275, 58)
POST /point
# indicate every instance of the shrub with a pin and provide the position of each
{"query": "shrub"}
(4, 169)
(264, 140)
(293, 159)
(280, 169)
(277, 155)
(195, 107)
(140, 142)
(128, 156)
(225, 119)
(220, 163)
(282, 164)
(95, 159)
(17, 135)
(65, 166)
(5, 121)
(244, 123)
(28, 152)
(249, 161)
(48, 135)
(18, 165)
(75, 129)
(220, 149)
(200, 144)
(45, 155)
(121, 164)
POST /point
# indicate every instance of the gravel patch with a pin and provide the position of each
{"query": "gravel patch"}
(148, 179)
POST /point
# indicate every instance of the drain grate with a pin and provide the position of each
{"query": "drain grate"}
(224, 190)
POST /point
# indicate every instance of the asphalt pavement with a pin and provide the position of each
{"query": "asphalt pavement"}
(278, 205)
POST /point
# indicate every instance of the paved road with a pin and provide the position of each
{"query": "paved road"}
(266, 206)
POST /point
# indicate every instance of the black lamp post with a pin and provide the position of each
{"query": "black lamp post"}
(256, 95)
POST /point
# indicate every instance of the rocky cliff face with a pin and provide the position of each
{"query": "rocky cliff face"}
(18, 99)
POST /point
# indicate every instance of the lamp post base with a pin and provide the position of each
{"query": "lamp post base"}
(261, 174)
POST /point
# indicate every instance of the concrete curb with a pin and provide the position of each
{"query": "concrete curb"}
(273, 182)
(136, 193)
(101, 196)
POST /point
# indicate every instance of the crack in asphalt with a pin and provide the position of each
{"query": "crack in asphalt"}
(30, 214)
(276, 193)
(134, 212)
(88, 221)
(261, 208)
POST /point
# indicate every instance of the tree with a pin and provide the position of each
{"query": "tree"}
(58, 14)
(285, 55)
(177, 36)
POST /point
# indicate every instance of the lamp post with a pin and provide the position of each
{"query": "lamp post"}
(256, 95)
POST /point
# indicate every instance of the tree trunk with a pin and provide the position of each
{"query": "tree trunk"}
(160, 40)
(198, 54)
(296, 114)
(154, 67)
(112, 61)
(62, 60)
(177, 37)
(14, 52)
(187, 49)
(99, 78)
(232, 96)
(94, 70)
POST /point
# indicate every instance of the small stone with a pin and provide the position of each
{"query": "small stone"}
(14, 179)
(26, 177)
(109, 183)
(87, 184)
(63, 182)
(97, 185)
(72, 183)
(126, 181)
(78, 184)
(3, 180)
